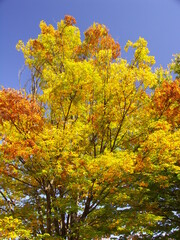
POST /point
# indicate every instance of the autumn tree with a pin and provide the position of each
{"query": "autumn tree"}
(94, 149)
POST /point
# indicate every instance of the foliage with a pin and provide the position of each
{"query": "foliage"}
(94, 149)
(175, 65)
(12, 228)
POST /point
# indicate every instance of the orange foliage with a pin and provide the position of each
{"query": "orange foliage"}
(37, 45)
(97, 38)
(69, 20)
(16, 108)
(167, 101)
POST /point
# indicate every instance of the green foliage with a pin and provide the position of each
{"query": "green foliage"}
(175, 65)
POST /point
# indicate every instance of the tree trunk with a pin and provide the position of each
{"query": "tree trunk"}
(74, 229)
(48, 212)
(63, 226)
(40, 215)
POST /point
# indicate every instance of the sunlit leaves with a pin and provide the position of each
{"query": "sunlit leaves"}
(12, 228)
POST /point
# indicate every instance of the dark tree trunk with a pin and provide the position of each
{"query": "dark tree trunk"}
(56, 224)
(48, 212)
(40, 215)
(63, 225)
(73, 227)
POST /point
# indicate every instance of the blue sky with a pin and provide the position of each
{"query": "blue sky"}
(156, 20)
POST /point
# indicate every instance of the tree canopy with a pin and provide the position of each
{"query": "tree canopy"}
(93, 149)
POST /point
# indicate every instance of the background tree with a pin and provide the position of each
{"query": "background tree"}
(175, 65)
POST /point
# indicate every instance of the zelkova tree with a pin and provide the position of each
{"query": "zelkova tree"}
(95, 148)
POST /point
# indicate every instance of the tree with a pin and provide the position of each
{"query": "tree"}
(83, 155)
(175, 65)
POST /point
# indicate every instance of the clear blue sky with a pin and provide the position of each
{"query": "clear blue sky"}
(158, 21)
